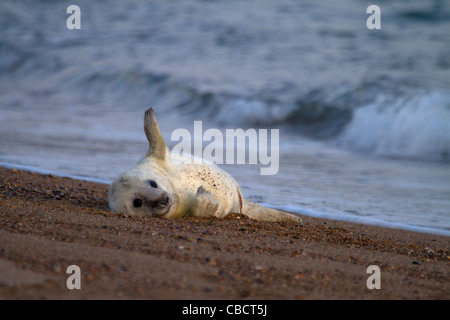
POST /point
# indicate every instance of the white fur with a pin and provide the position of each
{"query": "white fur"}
(184, 188)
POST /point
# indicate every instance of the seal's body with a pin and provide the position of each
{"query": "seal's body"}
(180, 186)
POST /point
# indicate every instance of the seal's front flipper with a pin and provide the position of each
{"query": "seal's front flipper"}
(205, 205)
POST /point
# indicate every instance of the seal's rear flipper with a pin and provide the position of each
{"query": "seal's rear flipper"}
(205, 205)
(157, 145)
(261, 213)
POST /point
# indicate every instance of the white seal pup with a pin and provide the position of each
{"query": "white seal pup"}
(160, 186)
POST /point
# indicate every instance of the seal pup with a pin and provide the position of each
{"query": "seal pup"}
(160, 185)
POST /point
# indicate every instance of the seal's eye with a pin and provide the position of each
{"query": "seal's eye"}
(152, 184)
(137, 203)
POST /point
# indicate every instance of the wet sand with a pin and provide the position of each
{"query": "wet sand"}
(49, 223)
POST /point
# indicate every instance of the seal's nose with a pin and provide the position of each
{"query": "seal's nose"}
(157, 203)
(137, 203)
(164, 200)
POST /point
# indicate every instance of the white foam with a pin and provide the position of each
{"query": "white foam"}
(358, 219)
(417, 127)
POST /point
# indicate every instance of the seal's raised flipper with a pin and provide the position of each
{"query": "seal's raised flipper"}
(205, 205)
(261, 213)
(157, 145)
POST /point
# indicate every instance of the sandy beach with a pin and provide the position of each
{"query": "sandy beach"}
(49, 223)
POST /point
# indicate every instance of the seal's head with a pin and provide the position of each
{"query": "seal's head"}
(146, 190)
(137, 194)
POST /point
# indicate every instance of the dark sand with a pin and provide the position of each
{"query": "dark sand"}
(48, 223)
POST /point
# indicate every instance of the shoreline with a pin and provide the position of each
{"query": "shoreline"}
(296, 210)
(50, 222)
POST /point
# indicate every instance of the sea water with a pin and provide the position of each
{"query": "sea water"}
(363, 115)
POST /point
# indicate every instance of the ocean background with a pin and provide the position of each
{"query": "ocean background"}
(364, 115)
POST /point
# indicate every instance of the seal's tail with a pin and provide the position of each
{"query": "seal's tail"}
(261, 213)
